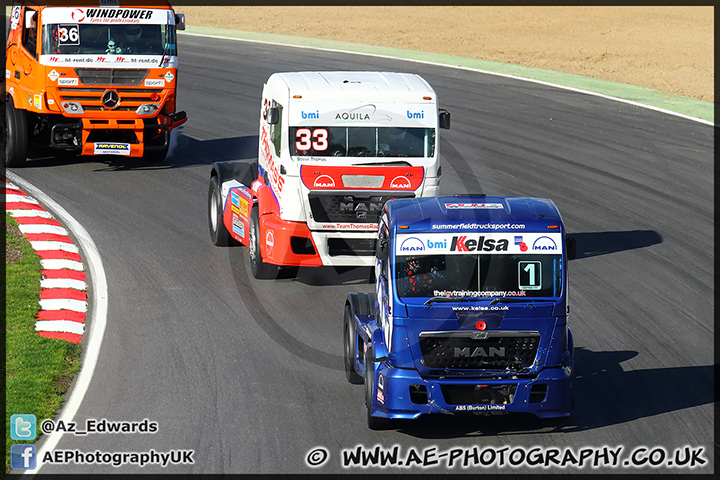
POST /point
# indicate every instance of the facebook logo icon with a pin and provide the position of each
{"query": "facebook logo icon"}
(23, 457)
(23, 427)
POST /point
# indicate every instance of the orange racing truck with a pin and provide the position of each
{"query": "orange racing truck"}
(96, 78)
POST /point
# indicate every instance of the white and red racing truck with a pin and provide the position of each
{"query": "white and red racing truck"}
(333, 148)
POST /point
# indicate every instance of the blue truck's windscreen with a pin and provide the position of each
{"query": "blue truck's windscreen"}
(470, 275)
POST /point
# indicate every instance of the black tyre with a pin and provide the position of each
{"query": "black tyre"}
(218, 233)
(349, 347)
(374, 423)
(156, 156)
(16, 149)
(258, 268)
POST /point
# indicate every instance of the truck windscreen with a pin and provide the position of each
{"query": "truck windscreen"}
(115, 38)
(362, 141)
(511, 275)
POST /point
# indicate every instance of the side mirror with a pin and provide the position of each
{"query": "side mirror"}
(179, 21)
(444, 119)
(30, 19)
(571, 248)
(273, 116)
(381, 249)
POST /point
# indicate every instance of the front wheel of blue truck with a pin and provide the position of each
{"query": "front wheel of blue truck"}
(350, 346)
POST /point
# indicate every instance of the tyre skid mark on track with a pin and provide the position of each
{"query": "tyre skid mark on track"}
(63, 298)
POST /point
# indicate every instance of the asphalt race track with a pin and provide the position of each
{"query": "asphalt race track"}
(248, 374)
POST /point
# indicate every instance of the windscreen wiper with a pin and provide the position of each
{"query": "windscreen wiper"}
(432, 300)
(519, 300)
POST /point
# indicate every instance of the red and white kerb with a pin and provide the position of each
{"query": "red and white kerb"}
(63, 297)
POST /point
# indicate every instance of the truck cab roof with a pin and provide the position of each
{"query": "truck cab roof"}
(458, 213)
(349, 86)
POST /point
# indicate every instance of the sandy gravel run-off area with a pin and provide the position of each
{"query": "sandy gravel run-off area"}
(668, 49)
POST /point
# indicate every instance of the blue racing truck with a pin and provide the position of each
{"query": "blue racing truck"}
(470, 311)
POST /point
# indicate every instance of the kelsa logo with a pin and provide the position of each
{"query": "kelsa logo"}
(412, 244)
(324, 181)
(270, 239)
(545, 244)
(463, 244)
(400, 182)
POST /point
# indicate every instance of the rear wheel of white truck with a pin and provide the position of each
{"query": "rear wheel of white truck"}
(258, 268)
(17, 139)
(349, 347)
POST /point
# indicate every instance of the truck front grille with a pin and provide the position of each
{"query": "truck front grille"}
(349, 208)
(460, 350)
(90, 98)
(111, 76)
(351, 246)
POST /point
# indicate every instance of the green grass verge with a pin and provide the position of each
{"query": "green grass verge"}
(38, 370)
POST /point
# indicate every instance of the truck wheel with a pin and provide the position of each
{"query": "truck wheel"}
(218, 233)
(258, 268)
(156, 156)
(349, 347)
(17, 135)
(374, 423)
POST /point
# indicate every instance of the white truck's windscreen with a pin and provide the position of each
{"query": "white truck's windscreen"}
(362, 141)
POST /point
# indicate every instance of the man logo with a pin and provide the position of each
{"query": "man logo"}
(400, 182)
(412, 244)
(324, 181)
(544, 244)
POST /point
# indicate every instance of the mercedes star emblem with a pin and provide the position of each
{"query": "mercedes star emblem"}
(110, 99)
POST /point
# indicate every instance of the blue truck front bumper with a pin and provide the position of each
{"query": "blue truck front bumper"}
(404, 394)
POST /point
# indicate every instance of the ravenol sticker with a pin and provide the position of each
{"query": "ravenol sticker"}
(169, 77)
(53, 75)
(152, 82)
(109, 148)
(485, 206)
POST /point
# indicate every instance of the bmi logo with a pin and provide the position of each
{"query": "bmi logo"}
(324, 181)
(412, 244)
(400, 182)
(311, 115)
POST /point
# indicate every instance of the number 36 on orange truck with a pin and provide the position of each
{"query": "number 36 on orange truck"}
(96, 78)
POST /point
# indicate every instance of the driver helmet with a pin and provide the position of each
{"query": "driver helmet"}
(133, 32)
(397, 133)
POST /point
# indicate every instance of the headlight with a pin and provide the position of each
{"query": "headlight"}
(147, 109)
(73, 108)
